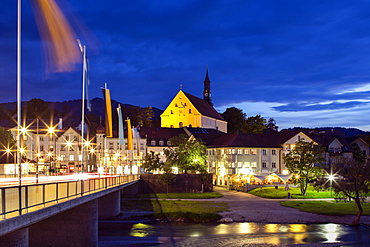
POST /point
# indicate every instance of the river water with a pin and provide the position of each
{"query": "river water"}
(117, 233)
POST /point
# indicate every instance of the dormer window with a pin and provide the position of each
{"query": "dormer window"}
(152, 142)
(161, 143)
(168, 143)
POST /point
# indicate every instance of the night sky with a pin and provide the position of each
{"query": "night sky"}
(304, 63)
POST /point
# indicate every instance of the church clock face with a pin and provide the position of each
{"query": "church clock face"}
(206, 94)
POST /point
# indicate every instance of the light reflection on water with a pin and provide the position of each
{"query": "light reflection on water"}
(231, 234)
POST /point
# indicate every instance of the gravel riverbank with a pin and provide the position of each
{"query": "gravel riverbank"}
(245, 207)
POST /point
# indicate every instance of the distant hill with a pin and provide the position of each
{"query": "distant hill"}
(97, 107)
(347, 132)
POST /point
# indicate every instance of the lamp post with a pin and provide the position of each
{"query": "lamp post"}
(331, 178)
(51, 132)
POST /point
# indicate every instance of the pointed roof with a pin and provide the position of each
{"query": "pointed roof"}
(207, 77)
(203, 107)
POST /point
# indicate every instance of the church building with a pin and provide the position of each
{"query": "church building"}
(186, 110)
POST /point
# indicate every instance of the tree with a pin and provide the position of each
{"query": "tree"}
(358, 155)
(271, 125)
(151, 162)
(235, 118)
(37, 108)
(255, 124)
(146, 116)
(353, 182)
(304, 161)
(6, 139)
(186, 154)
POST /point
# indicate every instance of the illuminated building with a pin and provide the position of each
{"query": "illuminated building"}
(186, 110)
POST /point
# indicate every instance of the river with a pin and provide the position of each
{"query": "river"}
(117, 233)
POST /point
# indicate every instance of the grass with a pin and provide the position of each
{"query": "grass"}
(328, 208)
(281, 193)
(205, 195)
(179, 210)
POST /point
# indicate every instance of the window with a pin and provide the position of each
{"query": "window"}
(161, 143)
(111, 145)
(253, 164)
(240, 151)
(152, 142)
(253, 151)
(62, 157)
(168, 143)
(273, 164)
(41, 148)
(246, 151)
(239, 164)
(247, 164)
(171, 112)
(71, 157)
(222, 151)
(51, 148)
(263, 164)
(273, 152)
(175, 104)
(41, 138)
(263, 151)
(180, 124)
(189, 111)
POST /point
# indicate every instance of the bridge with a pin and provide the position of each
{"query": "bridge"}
(63, 213)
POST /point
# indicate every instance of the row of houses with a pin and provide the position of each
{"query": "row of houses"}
(253, 158)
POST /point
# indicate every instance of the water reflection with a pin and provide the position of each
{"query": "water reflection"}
(234, 234)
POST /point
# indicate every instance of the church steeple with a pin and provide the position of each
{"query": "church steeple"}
(207, 89)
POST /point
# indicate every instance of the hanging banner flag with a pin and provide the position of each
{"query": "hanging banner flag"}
(136, 139)
(108, 113)
(121, 139)
(60, 39)
(85, 75)
(129, 135)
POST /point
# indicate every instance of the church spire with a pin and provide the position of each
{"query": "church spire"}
(207, 89)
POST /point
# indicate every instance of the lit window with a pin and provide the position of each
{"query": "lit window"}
(152, 142)
(239, 164)
(71, 157)
(168, 143)
(263, 151)
(161, 143)
(253, 151)
(253, 164)
(246, 151)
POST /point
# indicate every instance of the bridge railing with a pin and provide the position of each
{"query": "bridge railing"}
(17, 200)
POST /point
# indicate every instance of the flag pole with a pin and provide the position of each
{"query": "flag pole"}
(19, 101)
(83, 50)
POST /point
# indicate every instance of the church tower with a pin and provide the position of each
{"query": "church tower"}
(207, 89)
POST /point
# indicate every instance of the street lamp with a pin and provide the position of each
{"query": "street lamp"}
(331, 178)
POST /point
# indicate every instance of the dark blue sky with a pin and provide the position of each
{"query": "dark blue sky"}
(305, 63)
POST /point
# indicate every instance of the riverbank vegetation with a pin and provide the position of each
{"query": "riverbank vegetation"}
(173, 207)
(205, 195)
(327, 208)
